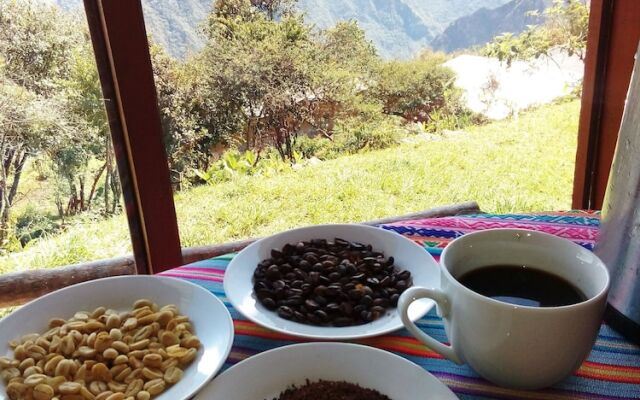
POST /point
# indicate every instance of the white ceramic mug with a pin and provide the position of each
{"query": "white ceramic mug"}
(512, 345)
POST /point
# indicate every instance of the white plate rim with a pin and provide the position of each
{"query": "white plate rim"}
(337, 332)
(228, 320)
(335, 346)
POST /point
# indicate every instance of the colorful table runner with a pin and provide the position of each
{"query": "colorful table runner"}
(612, 371)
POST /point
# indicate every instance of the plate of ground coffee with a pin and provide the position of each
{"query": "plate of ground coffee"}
(330, 282)
(326, 370)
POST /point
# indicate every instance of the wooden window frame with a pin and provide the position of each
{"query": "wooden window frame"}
(121, 48)
(614, 31)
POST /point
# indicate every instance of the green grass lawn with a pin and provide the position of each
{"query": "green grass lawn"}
(509, 166)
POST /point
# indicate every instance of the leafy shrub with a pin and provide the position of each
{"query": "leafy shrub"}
(234, 163)
(353, 136)
(441, 120)
(414, 89)
(33, 224)
(309, 147)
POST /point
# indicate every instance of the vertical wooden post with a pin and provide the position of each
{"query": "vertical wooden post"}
(614, 31)
(122, 53)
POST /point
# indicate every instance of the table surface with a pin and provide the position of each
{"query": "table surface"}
(612, 370)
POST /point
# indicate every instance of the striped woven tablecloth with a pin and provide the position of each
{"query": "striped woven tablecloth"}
(612, 370)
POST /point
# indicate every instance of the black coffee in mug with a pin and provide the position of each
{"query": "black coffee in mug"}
(522, 285)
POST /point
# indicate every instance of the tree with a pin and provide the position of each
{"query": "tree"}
(35, 41)
(259, 69)
(416, 88)
(565, 29)
(345, 68)
(89, 140)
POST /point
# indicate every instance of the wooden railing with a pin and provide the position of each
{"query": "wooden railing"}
(19, 287)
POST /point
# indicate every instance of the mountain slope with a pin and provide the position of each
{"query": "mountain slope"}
(392, 25)
(398, 28)
(484, 24)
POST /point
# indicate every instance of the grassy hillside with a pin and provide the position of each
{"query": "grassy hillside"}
(517, 165)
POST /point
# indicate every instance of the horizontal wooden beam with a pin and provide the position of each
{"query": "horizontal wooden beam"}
(19, 287)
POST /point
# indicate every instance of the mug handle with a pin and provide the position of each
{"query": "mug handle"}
(415, 293)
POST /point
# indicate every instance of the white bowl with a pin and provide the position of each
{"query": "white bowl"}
(266, 375)
(238, 279)
(209, 316)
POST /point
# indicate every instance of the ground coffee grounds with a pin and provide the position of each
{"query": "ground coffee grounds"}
(329, 390)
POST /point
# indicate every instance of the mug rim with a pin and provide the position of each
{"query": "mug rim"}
(585, 303)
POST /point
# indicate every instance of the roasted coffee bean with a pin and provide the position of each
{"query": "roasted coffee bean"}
(332, 283)
(313, 277)
(313, 319)
(293, 301)
(321, 315)
(332, 307)
(366, 300)
(332, 290)
(334, 276)
(366, 316)
(298, 316)
(346, 308)
(322, 301)
(404, 275)
(269, 303)
(273, 273)
(378, 309)
(311, 305)
(385, 281)
(355, 294)
(373, 281)
(359, 309)
(320, 290)
(285, 312)
(401, 285)
(381, 302)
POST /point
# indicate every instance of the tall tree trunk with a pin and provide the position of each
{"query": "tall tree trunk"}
(94, 184)
(8, 191)
(18, 167)
(107, 183)
(115, 188)
(81, 184)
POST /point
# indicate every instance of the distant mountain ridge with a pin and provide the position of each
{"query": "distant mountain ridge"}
(398, 28)
(484, 24)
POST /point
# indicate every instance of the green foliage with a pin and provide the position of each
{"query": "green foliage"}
(414, 89)
(234, 164)
(507, 166)
(51, 107)
(33, 224)
(564, 29)
(35, 41)
(354, 135)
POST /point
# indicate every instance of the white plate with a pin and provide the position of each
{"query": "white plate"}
(238, 279)
(210, 318)
(267, 374)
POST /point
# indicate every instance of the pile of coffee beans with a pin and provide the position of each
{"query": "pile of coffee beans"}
(330, 390)
(329, 283)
